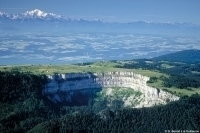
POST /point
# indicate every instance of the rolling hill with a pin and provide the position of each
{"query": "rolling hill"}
(186, 56)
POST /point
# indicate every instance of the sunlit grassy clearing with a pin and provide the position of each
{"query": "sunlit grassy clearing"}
(175, 90)
(166, 66)
(50, 69)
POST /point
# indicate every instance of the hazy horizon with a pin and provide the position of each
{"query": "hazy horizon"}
(34, 40)
(182, 11)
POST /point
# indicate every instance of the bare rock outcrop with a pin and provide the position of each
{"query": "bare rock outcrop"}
(77, 81)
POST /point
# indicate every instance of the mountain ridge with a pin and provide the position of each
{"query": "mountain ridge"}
(39, 14)
(37, 21)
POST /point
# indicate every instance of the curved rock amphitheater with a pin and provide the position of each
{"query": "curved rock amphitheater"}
(78, 81)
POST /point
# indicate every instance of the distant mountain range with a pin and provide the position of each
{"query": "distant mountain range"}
(38, 15)
(37, 20)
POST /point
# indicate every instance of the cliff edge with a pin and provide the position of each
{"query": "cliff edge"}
(62, 83)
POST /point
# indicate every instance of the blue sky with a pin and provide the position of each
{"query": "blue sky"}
(113, 10)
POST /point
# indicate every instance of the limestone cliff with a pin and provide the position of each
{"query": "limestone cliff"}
(77, 81)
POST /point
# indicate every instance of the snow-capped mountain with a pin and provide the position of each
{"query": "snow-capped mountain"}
(3, 14)
(40, 20)
(39, 14)
(34, 15)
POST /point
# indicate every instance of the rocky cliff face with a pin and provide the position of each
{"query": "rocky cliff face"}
(82, 81)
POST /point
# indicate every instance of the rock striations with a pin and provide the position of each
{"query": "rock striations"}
(78, 81)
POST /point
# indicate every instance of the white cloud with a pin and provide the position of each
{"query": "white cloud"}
(10, 56)
(77, 58)
(68, 51)
(3, 49)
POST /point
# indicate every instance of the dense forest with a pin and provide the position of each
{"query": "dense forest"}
(23, 108)
(180, 115)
